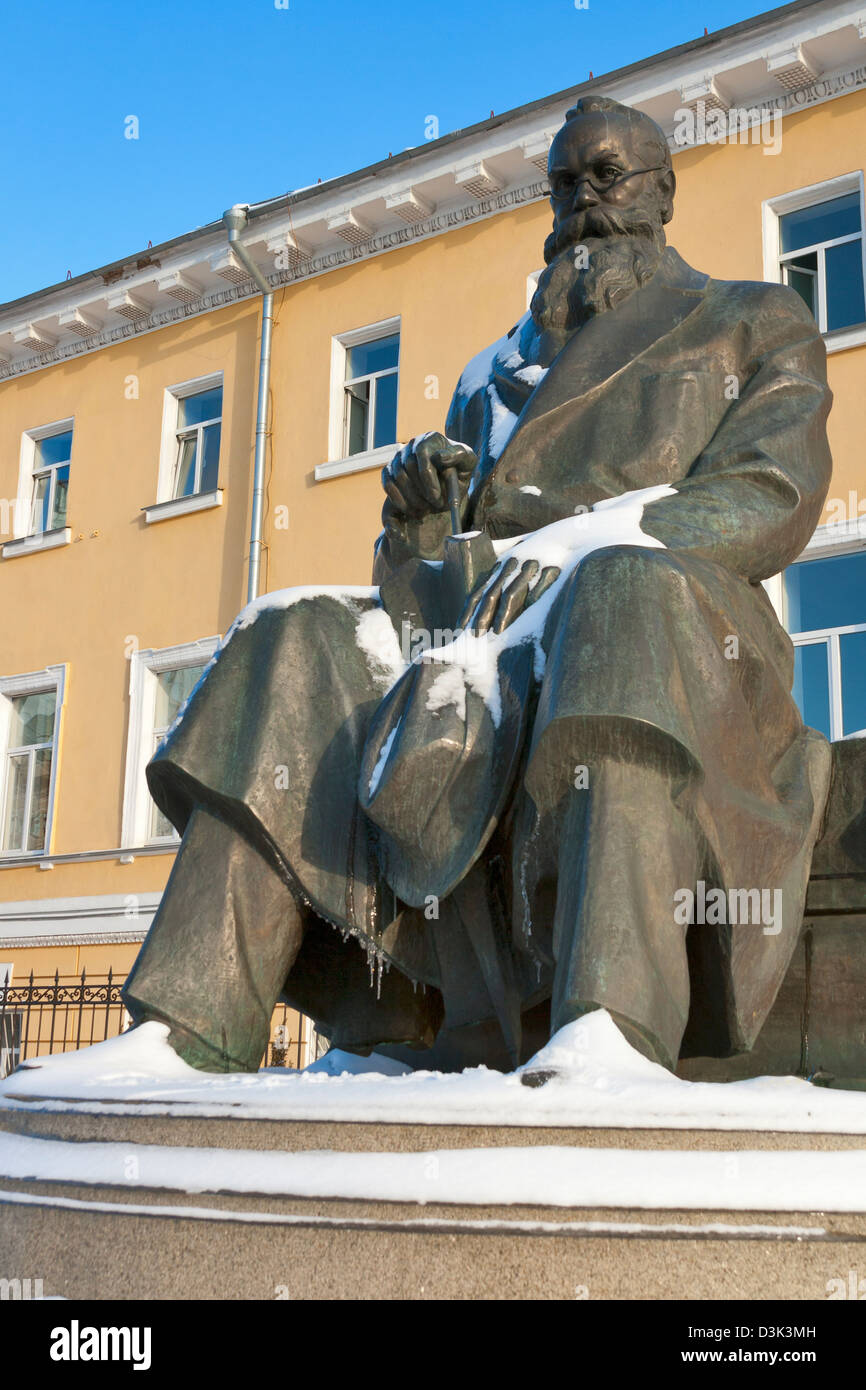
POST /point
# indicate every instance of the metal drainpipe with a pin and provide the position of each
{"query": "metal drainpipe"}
(235, 220)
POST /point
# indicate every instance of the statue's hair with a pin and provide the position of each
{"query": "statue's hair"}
(651, 134)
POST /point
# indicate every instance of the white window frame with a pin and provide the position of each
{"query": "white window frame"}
(167, 505)
(12, 688)
(828, 542)
(25, 540)
(7, 970)
(144, 667)
(338, 462)
(773, 209)
(532, 280)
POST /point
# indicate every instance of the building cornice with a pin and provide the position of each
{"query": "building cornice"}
(332, 259)
(787, 60)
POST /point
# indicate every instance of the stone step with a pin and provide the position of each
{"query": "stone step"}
(109, 1243)
(342, 1136)
(109, 1239)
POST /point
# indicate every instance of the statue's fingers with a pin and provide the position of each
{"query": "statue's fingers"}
(470, 605)
(394, 494)
(548, 576)
(513, 597)
(425, 479)
(490, 599)
(455, 455)
(408, 483)
(430, 445)
(400, 460)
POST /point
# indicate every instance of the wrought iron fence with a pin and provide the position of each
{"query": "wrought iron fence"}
(51, 1014)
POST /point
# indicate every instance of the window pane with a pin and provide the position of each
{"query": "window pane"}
(204, 405)
(185, 477)
(802, 275)
(357, 407)
(210, 463)
(173, 688)
(826, 593)
(39, 799)
(32, 719)
(160, 825)
(844, 267)
(852, 651)
(16, 795)
(385, 431)
(39, 513)
(377, 356)
(820, 222)
(61, 490)
(812, 685)
(57, 448)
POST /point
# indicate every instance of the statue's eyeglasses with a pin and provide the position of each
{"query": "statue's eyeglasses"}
(565, 184)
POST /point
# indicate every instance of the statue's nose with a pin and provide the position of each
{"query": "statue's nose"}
(584, 194)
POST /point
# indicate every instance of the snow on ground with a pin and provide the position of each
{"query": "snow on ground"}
(602, 1082)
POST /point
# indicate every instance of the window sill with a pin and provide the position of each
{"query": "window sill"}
(841, 338)
(43, 540)
(9, 859)
(356, 463)
(181, 506)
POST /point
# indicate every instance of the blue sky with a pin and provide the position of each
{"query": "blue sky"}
(240, 101)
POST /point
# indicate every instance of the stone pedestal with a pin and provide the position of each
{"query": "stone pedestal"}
(136, 1238)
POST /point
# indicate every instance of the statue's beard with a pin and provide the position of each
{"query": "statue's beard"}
(623, 250)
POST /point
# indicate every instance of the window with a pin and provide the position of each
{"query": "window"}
(30, 714)
(825, 605)
(40, 509)
(50, 482)
(173, 689)
(364, 383)
(192, 427)
(817, 246)
(160, 684)
(197, 455)
(370, 395)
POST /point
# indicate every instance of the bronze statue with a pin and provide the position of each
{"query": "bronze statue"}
(422, 854)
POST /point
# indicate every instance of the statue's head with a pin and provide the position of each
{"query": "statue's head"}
(610, 174)
(611, 190)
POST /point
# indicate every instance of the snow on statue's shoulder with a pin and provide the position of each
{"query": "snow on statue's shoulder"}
(477, 372)
(286, 598)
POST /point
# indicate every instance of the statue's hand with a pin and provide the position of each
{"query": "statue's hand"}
(414, 479)
(499, 601)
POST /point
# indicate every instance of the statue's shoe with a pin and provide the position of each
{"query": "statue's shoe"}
(597, 1050)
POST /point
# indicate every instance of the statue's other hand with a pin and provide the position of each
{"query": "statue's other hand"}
(496, 604)
(414, 479)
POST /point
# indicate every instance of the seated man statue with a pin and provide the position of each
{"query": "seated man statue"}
(505, 827)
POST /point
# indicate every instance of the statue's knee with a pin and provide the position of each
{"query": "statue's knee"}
(617, 565)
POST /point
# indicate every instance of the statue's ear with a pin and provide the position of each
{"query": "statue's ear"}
(667, 186)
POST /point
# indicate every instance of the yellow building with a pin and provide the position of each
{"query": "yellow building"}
(128, 415)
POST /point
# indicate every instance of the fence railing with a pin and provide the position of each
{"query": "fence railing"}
(62, 1013)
